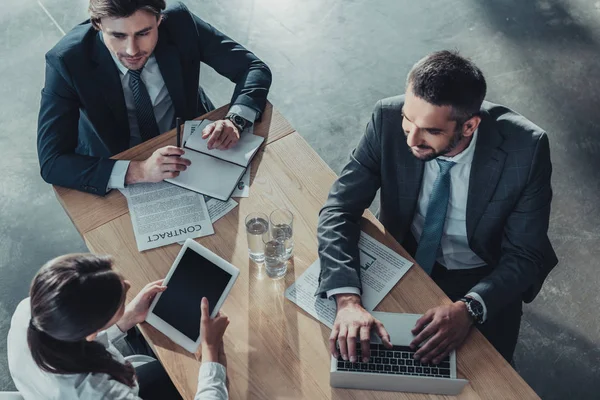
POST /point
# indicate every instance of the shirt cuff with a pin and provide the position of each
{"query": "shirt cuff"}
(212, 381)
(480, 300)
(114, 333)
(117, 176)
(244, 111)
(343, 290)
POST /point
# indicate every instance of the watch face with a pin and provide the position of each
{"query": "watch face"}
(239, 120)
(476, 307)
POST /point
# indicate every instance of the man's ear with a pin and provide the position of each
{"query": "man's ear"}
(160, 19)
(471, 125)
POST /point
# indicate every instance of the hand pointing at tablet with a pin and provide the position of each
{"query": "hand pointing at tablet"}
(212, 330)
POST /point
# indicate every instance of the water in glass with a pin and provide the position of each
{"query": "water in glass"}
(275, 264)
(284, 234)
(255, 229)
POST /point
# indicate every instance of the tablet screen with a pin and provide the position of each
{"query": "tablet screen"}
(195, 277)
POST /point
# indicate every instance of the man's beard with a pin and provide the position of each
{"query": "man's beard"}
(458, 136)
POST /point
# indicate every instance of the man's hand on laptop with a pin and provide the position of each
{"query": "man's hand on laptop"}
(164, 163)
(222, 135)
(446, 327)
(351, 323)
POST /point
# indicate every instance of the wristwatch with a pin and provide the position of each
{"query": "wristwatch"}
(239, 122)
(474, 308)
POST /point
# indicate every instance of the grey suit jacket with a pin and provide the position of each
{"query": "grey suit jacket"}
(508, 206)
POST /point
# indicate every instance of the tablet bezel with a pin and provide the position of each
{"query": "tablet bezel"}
(167, 329)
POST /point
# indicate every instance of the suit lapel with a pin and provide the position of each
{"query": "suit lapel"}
(107, 80)
(486, 169)
(411, 173)
(169, 63)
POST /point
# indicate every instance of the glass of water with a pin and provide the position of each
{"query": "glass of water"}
(257, 226)
(281, 223)
(275, 261)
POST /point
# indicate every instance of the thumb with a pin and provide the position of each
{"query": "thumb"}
(205, 314)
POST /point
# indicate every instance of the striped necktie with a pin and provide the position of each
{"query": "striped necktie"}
(143, 106)
(435, 219)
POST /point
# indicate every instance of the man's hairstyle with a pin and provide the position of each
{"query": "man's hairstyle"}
(122, 9)
(444, 78)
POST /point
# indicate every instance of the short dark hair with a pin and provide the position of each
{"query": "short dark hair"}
(445, 78)
(99, 9)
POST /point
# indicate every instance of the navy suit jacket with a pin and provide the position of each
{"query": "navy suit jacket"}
(83, 117)
(508, 203)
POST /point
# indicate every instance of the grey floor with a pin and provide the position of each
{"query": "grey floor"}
(332, 60)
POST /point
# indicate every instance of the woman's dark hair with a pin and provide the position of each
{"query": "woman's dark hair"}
(99, 9)
(444, 78)
(72, 297)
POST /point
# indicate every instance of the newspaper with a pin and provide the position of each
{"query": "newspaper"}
(243, 187)
(162, 213)
(380, 270)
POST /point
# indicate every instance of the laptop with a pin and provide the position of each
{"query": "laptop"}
(396, 369)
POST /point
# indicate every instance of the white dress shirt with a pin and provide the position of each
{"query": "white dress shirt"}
(164, 111)
(35, 384)
(454, 251)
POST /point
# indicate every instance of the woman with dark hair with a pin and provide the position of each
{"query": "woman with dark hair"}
(60, 339)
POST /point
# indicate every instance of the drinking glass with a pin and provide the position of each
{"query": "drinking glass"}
(281, 223)
(274, 253)
(257, 225)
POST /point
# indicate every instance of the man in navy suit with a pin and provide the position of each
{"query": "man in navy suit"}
(122, 77)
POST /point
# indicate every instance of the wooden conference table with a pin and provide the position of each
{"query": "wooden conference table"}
(274, 349)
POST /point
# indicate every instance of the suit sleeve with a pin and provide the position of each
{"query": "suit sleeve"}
(58, 134)
(230, 59)
(523, 242)
(339, 220)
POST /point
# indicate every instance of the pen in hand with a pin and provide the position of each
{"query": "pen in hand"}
(178, 122)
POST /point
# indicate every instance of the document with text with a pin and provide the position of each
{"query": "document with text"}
(380, 269)
(162, 213)
(218, 209)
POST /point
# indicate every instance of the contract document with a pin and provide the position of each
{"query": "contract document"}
(162, 213)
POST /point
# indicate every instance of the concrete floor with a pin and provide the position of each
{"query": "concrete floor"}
(332, 60)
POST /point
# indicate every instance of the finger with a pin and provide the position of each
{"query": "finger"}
(215, 135)
(429, 331)
(342, 340)
(164, 161)
(383, 334)
(224, 136)
(205, 315)
(208, 130)
(425, 351)
(170, 175)
(424, 320)
(365, 343)
(443, 354)
(226, 143)
(332, 341)
(173, 167)
(158, 282)
(171, 151)
(352, 334)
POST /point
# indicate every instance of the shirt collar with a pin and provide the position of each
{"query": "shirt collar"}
(465, 156)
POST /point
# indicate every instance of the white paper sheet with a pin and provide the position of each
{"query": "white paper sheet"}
(218, 208)
(162, 214)
(243, 187)
(381, 269)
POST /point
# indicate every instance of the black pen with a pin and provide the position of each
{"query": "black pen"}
(178, 132)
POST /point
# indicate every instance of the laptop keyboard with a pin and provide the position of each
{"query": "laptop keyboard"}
(399, 360)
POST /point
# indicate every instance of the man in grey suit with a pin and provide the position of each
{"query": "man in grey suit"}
(465, 188)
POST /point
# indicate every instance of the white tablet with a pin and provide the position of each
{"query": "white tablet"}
(196, 273)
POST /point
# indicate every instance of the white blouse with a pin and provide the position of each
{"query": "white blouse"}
(34, 383)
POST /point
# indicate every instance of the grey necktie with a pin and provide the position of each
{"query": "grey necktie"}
(435, 218)
(143, 106)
